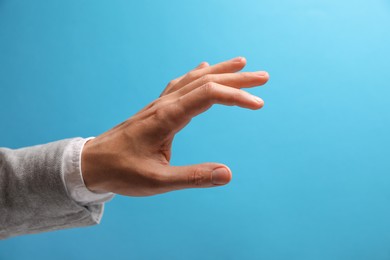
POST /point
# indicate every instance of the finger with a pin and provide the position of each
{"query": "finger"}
(202, 65)
(235, 80)
(197, 176)
(174, 81)
(171, 116)
(202, 98)
(230, 66)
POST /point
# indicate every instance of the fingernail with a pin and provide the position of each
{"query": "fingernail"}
(238, 59)
(220, 176)
(261, 73)
(258, 100)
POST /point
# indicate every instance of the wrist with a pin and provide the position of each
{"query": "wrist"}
(90, 169)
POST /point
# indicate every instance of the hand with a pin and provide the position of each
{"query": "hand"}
(133, 158)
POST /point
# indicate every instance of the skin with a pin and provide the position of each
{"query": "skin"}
(133, 158)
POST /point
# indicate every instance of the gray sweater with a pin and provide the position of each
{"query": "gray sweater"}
(33, 195)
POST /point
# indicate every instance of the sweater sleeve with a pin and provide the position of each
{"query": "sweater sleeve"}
(33, 195)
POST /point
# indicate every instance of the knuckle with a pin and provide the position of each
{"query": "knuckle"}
(169, 113)
(170, 87)
(155, 103)
(196, 178)
(208, 88)
(172, 82)
(206, 79)
(192, 75)
(160, 113)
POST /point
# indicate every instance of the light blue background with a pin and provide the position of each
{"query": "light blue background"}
(311, 170)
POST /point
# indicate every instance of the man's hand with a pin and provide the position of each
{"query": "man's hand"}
(133, 158)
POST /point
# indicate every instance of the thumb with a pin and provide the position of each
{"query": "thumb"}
(199, 176)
